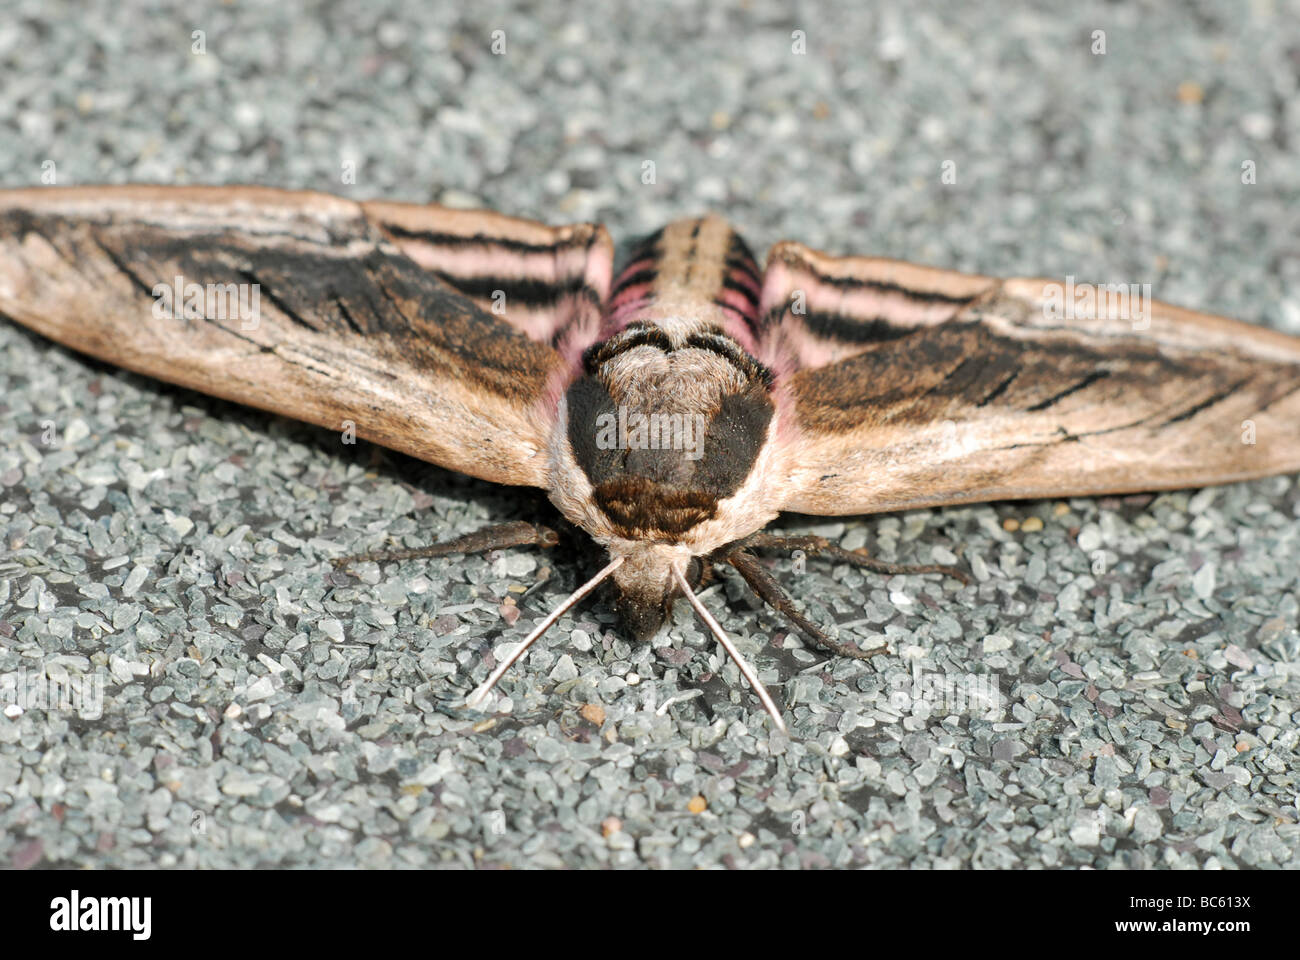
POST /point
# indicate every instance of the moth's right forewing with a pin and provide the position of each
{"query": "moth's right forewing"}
(330, 323)
(1012, 397)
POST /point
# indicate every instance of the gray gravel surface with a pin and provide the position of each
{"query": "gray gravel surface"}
(1123, 675)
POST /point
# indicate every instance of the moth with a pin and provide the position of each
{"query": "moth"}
(671, 410)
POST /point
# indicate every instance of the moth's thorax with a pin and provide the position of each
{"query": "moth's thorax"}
(662, 437)
(663, 431)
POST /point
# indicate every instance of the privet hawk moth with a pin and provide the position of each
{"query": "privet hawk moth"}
(671, 410)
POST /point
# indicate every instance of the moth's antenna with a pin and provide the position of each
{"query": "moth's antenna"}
(476, 698)
(723, 639)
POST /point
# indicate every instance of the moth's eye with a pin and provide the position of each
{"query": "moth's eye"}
(694, 572)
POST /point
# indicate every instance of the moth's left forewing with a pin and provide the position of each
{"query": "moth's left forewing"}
(342, 328)
(1027, 391)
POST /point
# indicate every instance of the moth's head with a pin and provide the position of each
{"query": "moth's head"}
(645, 587)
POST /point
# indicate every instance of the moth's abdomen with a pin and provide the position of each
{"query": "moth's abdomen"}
(691, 276)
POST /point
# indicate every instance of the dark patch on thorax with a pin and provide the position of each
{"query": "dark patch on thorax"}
(659, 473)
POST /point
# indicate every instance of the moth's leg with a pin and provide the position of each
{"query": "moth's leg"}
(820, 546)
(763, 584)
(516, 534)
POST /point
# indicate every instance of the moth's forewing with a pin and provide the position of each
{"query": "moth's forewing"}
(296, 303)
(950, 388)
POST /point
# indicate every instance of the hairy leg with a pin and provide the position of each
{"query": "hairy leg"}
(820, 546)
(516, 534)
(763, 584)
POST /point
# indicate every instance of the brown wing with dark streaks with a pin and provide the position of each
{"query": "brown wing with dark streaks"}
(549, 283)
(343, 326)
(959, 389)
